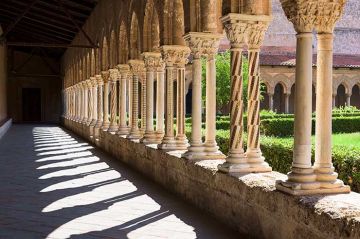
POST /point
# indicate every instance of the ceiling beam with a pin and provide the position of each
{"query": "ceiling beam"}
(18, 18)
(50, 25)
(50, 32)
(77, 26)
(41, 32)
(47, 45)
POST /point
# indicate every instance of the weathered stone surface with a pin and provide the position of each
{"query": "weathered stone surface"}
(248, 203)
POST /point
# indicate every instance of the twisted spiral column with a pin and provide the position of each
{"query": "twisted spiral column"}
(100, 84)
(114, 75)
(94, 101)
(106, 123)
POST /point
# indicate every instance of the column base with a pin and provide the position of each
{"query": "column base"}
(134, 134)
(228, 167)
(168, 143)
(98, 124)
(296, 189)
(92, 123)
(123, 130)
(113, 128)
(195, 152)
(105, 126)
(150, 138)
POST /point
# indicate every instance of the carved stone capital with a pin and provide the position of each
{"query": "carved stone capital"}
(175, 54)
(105, 76)
(99, 79)
(137, 66)
(93, 81)
(328, 13)
(88, 83)
(153, 60)
(255, 34)
(124, 70)
(203, 43)
(301, 13)
(114, 74)
(244, 29)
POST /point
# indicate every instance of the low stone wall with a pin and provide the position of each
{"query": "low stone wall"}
(248, 203)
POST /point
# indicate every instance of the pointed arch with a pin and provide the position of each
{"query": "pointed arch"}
(123, 53)
(135, 46)
(104, 55)
(112, 50)
(151, 28)
(92, 62)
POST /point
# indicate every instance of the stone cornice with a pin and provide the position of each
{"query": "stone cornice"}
(175, 54)
(203, 43)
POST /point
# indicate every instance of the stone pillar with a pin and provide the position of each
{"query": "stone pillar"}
(79, 102)
(271, 101)
(90, 101)
(323, 166)
(182, 58)
(170, 54)
(160, 94)
(348, 99)
(129, 99)
(86, 102)
(143, 84)
(287, 96)
(255, 35)
(137, 67)
(302, 177)
(106, 123)
(124, 71)
(114, 76)
(206, 44)
(236, 161)
(152, 61)
(100, 85)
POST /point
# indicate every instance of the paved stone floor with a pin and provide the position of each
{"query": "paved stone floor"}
(54, 185)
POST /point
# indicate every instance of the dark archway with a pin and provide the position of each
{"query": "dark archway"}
(292, 100)
(279, 99)
(340, 96)
(264, 103)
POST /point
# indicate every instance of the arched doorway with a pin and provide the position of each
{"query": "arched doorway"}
(355, 97)
(292, 100)
(340, 96)
(279, 99)
(264, 103)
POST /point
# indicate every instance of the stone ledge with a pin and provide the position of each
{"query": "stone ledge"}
(249, 203)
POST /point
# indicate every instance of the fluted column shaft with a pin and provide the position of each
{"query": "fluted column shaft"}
(143, 101)
(160, 94)
(181, 139)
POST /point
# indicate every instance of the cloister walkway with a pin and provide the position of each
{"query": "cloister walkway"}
(54, 185)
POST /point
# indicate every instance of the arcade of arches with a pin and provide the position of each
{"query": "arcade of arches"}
(128, 96)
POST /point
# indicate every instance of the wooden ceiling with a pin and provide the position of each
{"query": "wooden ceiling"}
(49, 24)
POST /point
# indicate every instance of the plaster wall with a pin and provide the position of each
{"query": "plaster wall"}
(3, 85)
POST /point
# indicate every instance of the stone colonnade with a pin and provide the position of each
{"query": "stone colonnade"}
(124, 116)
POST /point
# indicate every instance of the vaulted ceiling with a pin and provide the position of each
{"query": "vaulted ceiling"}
(49, 24)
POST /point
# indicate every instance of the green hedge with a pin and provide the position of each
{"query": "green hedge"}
(279, 152)
(285, 127)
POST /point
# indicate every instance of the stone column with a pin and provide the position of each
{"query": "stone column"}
(169, 54)
(196, 150)
(100, 85)
(106, 123)
(79, 102)
(137, 67)
(255, 35)
(114, 76)
(86, 102)
(236, 161)
(287, 96)
(301, 177)
(160, 94)
(348, 99)
(124, 71)
(183, 54)
(271, 101)
(143, 84)
(129, 99)
(152, 61)
(324, 169)
(90, 101)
